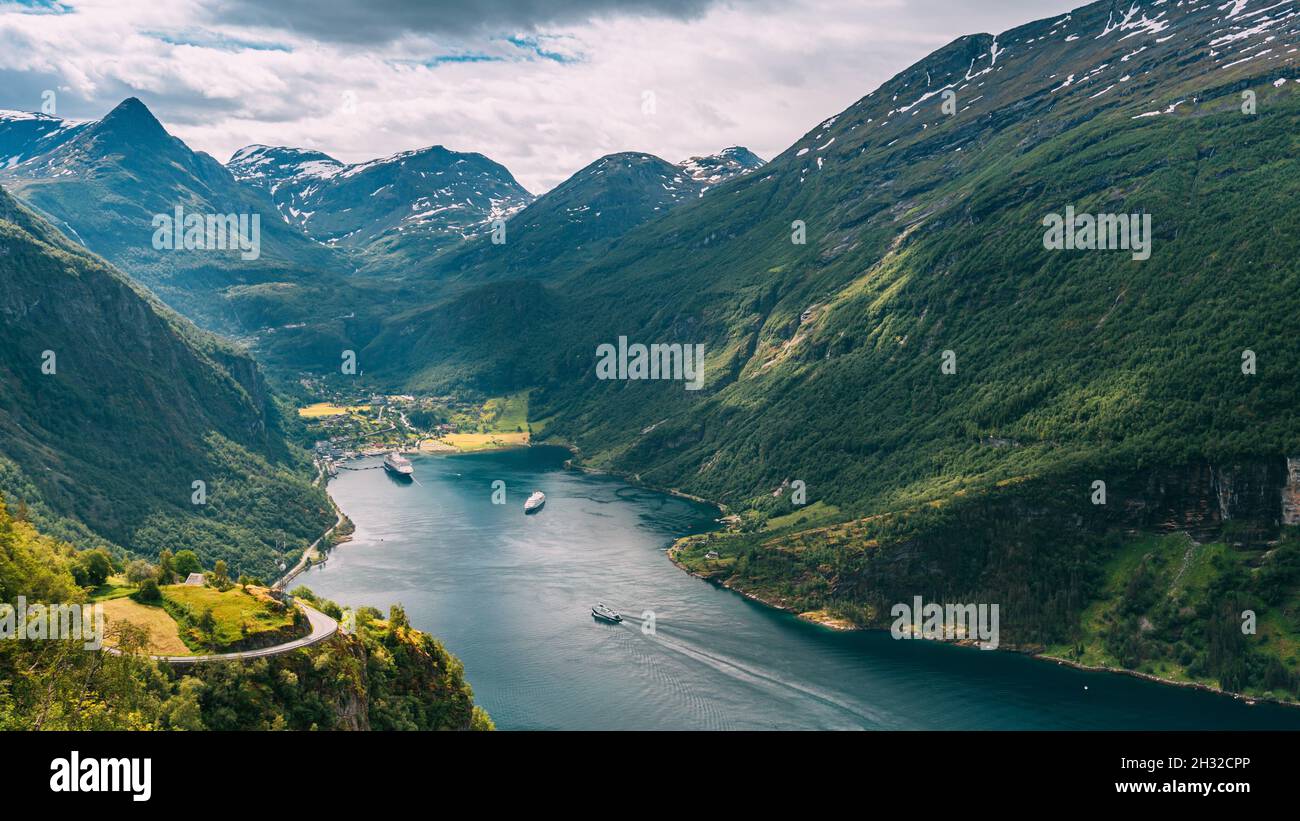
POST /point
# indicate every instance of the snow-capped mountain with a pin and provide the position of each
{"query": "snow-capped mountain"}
(103, 183)
(272, 167)
(24, 135)
(427, 198)
(598, 204)
(715, 169)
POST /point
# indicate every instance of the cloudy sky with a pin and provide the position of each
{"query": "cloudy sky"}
(542, 86)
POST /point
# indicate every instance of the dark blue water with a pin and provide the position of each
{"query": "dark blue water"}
(511, 596)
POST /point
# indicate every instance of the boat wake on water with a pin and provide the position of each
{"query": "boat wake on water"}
(739, 671)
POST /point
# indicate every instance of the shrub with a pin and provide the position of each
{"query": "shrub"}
(139, 570)
(148, 592)
(92, 568)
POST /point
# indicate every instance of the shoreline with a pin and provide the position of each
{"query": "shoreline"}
(322, 479)
(821, 619)
(631, 478)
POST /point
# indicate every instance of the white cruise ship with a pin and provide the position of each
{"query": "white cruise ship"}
(398, 465)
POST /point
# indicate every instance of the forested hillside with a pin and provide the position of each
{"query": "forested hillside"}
(385, 676)
(114, 407)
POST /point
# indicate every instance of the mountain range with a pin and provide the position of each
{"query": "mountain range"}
(830, 288)
(885, 323)
(409, 205)
(403, 211)
(402, 222)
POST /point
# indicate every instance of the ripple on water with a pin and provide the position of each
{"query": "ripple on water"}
(512, 594)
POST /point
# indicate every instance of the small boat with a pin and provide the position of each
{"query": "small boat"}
(604, 613)
(398, 465)
(535, 502)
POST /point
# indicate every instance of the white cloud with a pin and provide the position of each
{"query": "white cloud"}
(755, 76)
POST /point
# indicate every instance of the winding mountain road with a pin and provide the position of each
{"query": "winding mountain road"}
(306, 554)
(322, 627)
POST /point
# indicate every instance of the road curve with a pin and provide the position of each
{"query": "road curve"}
(322, 627)
(302, 562)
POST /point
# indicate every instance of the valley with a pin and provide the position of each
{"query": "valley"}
(893, 383)
(342, 428)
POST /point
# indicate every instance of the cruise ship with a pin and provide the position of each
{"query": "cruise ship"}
(398, 465)
(535, 502)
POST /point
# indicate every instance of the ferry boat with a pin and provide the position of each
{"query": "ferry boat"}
(535, 502)
(604, 613)
(398, 465)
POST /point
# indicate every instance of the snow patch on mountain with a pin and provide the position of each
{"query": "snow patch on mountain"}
(432, 193)
(727, 164)
(26, 135)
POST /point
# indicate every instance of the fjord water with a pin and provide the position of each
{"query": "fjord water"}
(511, 595)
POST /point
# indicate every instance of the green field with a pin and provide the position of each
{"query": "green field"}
(499, 414)
(115, 588)
(468, 442)
(161, 629)
(809, 516)
(500, 422)
(508, 413)
(239, 618)
(320, 409)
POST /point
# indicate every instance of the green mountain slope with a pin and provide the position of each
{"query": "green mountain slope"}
(113, 406)
(832, 349)
(925, 234)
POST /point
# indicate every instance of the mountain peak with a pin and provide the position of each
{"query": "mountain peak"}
(726, 164)
(131, 107)
(636, 163)
(625, 160)
(272, 164)
(132, 118)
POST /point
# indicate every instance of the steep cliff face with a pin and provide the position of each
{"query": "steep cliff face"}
(1201, 498)
(1291, 493)
(375, 679)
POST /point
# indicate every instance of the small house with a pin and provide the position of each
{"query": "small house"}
(196, 579)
